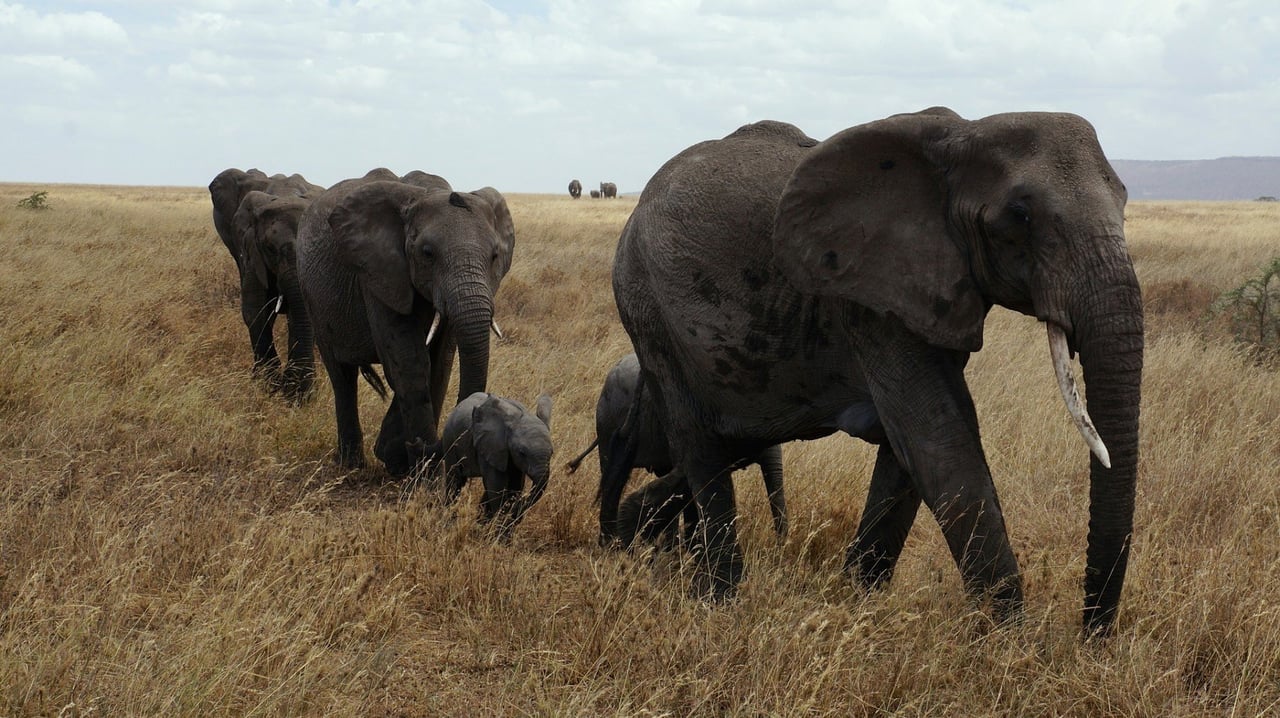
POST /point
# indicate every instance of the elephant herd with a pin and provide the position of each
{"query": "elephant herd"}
(808, 287)
(608, 190)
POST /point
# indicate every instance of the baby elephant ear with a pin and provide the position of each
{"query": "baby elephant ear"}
(489, 433)
(864, 217)
(543, 409)
(502, 223)
(368, 232)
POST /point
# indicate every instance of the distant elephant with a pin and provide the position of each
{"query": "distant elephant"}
(402, 275)
(265, 230)
(652, 453)
(811, 287)
(575, 189)
(595, 194)
(608, 190)
(230, 186)
(500, 441)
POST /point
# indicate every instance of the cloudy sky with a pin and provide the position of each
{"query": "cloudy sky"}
(527, 94)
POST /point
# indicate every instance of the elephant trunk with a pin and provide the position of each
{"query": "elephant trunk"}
(300, 372)
(1109, 337)
(538, 479)
(470, 314)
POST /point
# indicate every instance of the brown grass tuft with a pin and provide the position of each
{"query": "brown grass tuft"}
(175, 541)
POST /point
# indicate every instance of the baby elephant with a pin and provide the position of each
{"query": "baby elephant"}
(498, 440)
(649, 450)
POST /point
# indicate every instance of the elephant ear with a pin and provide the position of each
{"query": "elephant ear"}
(543, 409)
(490, 433)
(246, 225)
(501, 221)
(368, 231)
(864, 217)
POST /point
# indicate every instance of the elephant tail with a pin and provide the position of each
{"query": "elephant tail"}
(574, 463)
(375, 382)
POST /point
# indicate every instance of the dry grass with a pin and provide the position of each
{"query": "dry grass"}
(174, 541)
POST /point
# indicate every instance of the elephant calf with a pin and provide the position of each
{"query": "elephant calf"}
(498, 440)
(651, 452)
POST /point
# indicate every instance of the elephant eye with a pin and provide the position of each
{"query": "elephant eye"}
(426, 250)
(494, 258)
(1020, 212)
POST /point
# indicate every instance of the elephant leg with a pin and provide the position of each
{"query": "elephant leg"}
(258, 311)
(922, 399)
(653, 512)
(771, 468)
(343, 378)
(406, 362)
(390, 445)
(720, 563)
(891, 507)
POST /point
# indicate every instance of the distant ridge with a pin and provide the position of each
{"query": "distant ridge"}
(1226, 178)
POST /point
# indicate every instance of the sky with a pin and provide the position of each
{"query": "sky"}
(524, 96)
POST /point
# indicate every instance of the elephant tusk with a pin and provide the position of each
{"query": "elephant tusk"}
(494, 326)
(1067, 385)
(279, 304)
(435, 324)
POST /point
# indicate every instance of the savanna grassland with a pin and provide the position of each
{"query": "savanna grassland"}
(175, 541)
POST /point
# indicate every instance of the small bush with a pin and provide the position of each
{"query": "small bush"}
(37, 200)
(1252, 311)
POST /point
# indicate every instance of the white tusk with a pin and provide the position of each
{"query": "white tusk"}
(435, 324)
(279, 304)
(1067, 385)
(494, 326)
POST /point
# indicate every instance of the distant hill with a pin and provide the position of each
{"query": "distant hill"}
(1223, 178)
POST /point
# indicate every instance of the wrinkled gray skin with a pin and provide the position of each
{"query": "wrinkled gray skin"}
(378, 258)
(902, 233)
(229, 187)
(500, 441)
(595, 194)
(575, 189)
(608, 190)
(265, 228)
(653, 454)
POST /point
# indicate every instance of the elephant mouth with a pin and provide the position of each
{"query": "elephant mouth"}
(435, 326)
(1061, 356)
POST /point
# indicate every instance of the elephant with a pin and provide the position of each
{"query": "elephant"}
(652, 454)
(500, 441)
(595, 194)
(230, 186)
(608, 190)
(575, 189)
(404, 276)
(812, 287)
(265, 229)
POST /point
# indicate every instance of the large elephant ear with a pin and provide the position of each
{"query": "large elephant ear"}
(246, 224)
(502, 223)
(490, 433)
(864, 217)
(368, 232)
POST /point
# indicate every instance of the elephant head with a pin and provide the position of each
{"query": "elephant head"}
(231, 185)
(266, 228)
(932, 219)
(509, 442)
(432, 250)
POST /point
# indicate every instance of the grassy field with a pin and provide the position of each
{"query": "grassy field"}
(174, 541)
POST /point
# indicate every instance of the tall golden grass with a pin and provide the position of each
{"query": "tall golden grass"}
(174, 541)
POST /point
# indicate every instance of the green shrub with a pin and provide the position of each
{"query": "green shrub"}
(35, 201)
(1252, 312)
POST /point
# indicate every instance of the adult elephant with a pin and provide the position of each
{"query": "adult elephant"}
(265, 229)
(813, 287)
(608, 190)
(575, 189)
(402, 275)
(652, 453)
(228, 189)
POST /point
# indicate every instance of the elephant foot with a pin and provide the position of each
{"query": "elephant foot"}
(717, 584)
